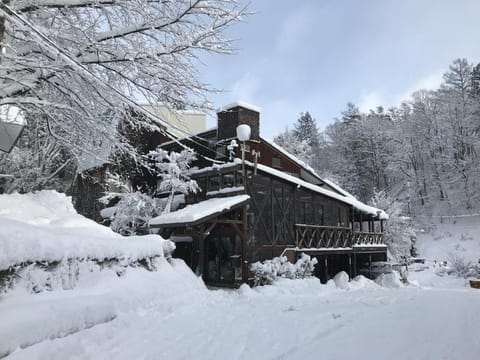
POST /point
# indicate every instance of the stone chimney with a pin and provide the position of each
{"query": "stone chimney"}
(237, 113)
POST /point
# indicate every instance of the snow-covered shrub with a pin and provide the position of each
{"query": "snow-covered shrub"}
(279, 267)
(461, 267)
(400, 234)
(45, 244)
(67, 274)
(173, 170)
(132, 212)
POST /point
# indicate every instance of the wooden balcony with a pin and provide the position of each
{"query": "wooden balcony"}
(328, 237)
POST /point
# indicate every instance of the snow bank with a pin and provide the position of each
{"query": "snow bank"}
(27, 320)
(44, 226)
(391, 280)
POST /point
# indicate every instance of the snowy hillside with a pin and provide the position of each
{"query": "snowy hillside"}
(450, 236)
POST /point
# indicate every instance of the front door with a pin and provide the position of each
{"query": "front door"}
(219, 258)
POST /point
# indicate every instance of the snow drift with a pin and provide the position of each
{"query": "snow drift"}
(44, 226)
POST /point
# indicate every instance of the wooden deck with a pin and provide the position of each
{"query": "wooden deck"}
(335, 238)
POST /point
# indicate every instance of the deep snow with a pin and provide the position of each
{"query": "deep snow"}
(44, 226)
(170, 314)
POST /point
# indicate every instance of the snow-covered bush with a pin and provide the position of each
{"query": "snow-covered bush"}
(173, 170)
(400, 235)
(279, 267)
(45, 244)
(132, 212)
(461, 267)
(67, 274)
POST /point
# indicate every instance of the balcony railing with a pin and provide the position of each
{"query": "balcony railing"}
(316, 236)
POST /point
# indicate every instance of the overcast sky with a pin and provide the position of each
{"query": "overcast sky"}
(316, 55)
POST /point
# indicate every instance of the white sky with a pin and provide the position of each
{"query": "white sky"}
(317, 55)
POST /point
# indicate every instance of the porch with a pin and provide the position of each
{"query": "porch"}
(339, 249)
(335, 237)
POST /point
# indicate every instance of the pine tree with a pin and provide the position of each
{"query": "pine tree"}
(305, 129)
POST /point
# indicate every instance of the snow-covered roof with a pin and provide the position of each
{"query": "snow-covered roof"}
(240, 103)
(344, 197)
(291, 156)
(194, 213)
(348, 198)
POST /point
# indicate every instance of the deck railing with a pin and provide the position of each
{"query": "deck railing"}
(317, 236)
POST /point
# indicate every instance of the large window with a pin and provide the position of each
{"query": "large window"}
(214, 182)
(228, 180)
(261, 202)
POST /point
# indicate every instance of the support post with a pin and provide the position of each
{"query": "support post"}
(350, 266)
(370, 266)
(326, 269)
(244, 245)
(354, 264)
(201, 255)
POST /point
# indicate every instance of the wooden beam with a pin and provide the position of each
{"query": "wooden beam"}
(370, 266)
(205, 233)
(354, 264)
(244, 244)
(350, 266)
(326, 269)
(228, 221)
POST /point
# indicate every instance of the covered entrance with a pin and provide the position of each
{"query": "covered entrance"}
(217, 228)
(220, 258)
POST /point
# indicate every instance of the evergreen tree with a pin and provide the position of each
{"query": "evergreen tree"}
(305, 130)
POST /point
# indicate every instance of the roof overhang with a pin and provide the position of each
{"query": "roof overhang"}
(199, 213)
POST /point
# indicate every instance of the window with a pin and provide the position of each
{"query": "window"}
(214, 182)
(239, 176)
(202, 183)
(276, 162)
(320, 215)
(228, 180)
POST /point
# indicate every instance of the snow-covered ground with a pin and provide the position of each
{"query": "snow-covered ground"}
(170, 314)
(447, 236)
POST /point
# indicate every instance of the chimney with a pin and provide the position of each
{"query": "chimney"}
(237, 113)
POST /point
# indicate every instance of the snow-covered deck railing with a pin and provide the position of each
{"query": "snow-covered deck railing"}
(316, 236)
(196, 213)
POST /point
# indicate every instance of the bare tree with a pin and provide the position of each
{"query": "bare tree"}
(77, 63)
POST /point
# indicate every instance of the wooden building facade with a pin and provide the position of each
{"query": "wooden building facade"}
(270, 205)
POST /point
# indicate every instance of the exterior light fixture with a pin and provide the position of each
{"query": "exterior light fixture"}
(11, 127)
(243, 134)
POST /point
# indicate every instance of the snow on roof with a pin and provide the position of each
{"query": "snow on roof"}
(346, 198)
(349, 199)
(307, 167)
(196, 212)
(240, 103)
(336, 187)
(291, 156)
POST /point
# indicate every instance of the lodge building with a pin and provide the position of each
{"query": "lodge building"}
(271, 204)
